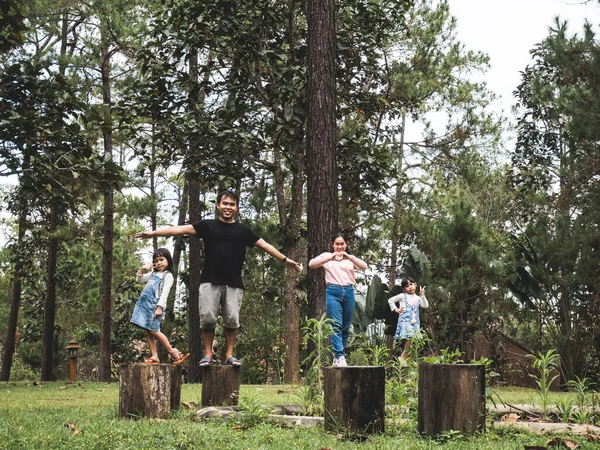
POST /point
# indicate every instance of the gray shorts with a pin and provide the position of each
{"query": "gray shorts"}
(214, 296)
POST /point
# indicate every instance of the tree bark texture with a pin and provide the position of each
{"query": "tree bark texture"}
(393, 270)
(291, 225)
(394, 266)
(291, 317)
(149, 390)
(179, 243)
(195, 245)
(50, 303)
(154, 213)
(322, 214)
(354, 399)
(108, 226)
(451, 397)
(195, 269)
(220, 385)
(15, 301)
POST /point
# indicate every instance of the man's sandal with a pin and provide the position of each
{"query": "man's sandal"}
(233, 361)
(206, 361)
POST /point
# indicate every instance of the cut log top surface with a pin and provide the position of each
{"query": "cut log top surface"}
(145, 365)
(221, 367)
(355, 368)
(452, 365)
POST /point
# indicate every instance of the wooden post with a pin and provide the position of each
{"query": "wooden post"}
(451, 397)
(354, 399)
(72, 348)
(220, 385)
(149, 390)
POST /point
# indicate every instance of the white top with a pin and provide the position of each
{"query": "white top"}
(164, 287)
(411, 299)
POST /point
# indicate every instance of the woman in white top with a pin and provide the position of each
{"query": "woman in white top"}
(339, 295)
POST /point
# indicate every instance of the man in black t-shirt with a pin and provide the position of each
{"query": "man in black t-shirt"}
(221, 287)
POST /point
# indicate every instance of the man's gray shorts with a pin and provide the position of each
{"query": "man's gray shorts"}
(214, 296)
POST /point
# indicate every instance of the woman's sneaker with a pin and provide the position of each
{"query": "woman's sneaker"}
(340, 362)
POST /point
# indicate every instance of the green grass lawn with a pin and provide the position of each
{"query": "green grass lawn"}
(515, 395)
(85, 416)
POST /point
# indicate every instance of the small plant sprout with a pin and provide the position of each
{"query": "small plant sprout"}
(544, 366)
(378, 355)
(317, 332)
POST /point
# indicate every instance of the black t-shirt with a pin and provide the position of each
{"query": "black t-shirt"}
(224, 250)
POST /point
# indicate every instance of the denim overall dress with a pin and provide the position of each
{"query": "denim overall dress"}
(408, 322)
(143, 312)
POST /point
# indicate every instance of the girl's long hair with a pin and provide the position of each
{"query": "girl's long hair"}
(166, 254)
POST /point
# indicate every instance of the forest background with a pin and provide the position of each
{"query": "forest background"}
(119, 116)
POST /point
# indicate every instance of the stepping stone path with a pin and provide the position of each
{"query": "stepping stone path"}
(291, 415)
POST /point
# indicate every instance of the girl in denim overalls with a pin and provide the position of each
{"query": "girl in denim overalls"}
(409, 321)
(149, 308)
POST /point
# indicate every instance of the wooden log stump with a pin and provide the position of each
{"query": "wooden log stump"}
(354, 399)
(149, 390)
(220, 385)
(451, 397)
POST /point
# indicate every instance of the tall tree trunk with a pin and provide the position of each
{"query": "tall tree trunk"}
(50, 303)
(291, 225)
(195, 252)
(108, 226)
(322, 216)
(53, 243)
(15, 302)
(195, 268)
(394, 269)
(178, 246)
(152, 167)
(179, 242)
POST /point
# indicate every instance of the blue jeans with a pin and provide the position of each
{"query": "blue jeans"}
(339, 302)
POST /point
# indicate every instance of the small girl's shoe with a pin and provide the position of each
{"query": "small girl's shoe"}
(179, 360)
(151, 361)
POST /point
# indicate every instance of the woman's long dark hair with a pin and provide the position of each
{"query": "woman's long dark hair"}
(337, 235)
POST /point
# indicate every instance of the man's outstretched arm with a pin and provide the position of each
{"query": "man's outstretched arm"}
(264, 245)
(177, 230)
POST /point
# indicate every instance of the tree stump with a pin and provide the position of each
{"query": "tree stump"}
(451, 397)
(220, 385)
(354, 399)
(149, 390)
